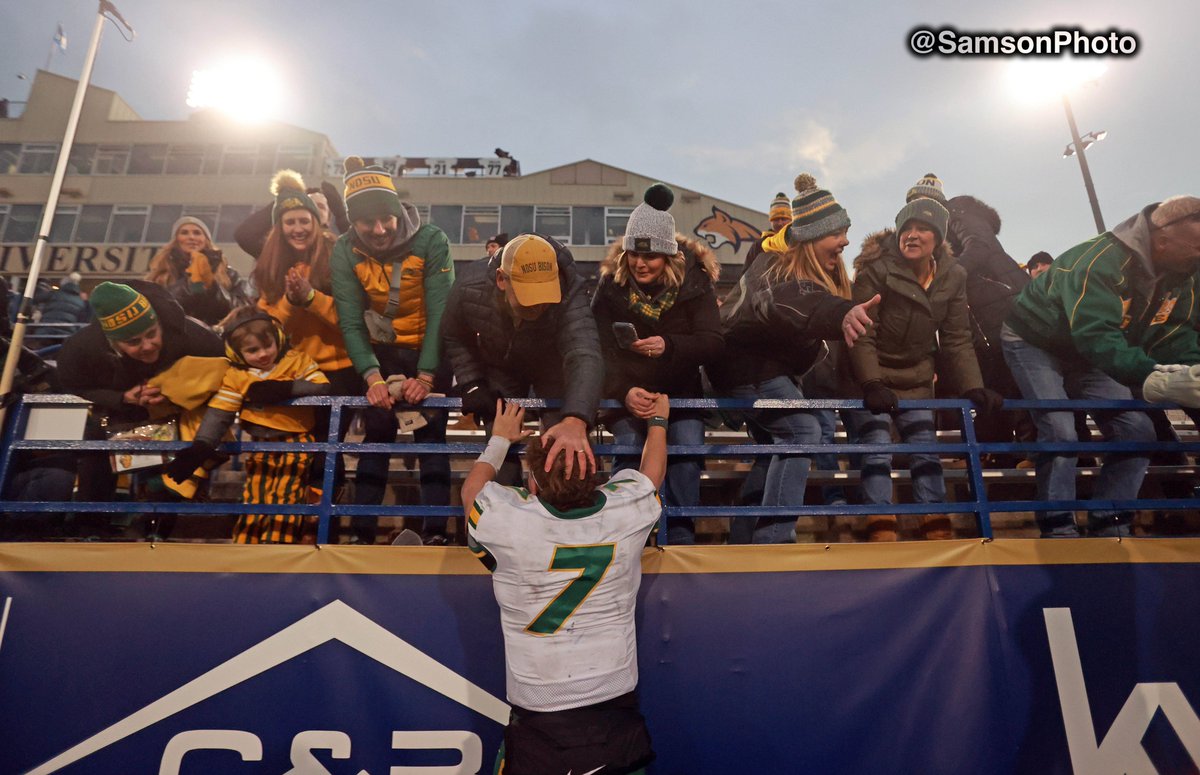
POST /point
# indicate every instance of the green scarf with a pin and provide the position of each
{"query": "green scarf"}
(650, 308)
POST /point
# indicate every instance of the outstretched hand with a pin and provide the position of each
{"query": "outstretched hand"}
(510, 422)
(858, 320)
(569, 437)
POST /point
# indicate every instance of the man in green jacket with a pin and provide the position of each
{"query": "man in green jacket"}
(391, 278)
(1114, 314)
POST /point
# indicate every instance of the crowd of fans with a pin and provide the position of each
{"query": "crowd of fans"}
(351, 294)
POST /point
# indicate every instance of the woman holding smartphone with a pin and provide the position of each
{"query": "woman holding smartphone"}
(656, 310)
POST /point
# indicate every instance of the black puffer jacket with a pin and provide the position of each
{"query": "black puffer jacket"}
(89, 367)
(774, 328)
(560, 347)
(994, 279)
(691, 328)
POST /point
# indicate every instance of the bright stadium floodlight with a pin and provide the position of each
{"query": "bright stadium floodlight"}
(247, 90)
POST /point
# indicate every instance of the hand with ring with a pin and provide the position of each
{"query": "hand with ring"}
(651, 347)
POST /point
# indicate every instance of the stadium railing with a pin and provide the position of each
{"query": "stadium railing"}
(969, 448)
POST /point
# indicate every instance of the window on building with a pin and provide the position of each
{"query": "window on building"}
(92, 225)
(79, 162)
(207, 213)
(10, 156)
(239, 160)
(185, 159)
(147, 159)
(111, 160)
(162, 218)
(587, 226)
(553, 222)
(295, 157)
(448, 218)
(37, 158)
(231, 217)
(22, 223)
(129, 224)
(516, 219)
(423, 213)
(63, 225)
(615, 221)
(265, 163)
(212, 158)
(480, 222)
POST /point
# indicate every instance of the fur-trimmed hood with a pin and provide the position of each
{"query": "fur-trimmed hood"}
(883, 243)
(694, 252)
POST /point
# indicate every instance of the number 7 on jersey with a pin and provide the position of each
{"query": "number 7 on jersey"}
(592, 561)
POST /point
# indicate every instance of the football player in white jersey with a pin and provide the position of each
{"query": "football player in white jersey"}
(565, 556)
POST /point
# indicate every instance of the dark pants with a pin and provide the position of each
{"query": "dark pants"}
(380, 427)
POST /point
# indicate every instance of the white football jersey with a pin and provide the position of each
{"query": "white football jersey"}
(567, 586)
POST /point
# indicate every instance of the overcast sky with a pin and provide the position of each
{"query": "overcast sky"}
(729, 99)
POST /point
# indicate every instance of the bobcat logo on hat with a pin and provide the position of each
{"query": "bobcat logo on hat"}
(721, 228)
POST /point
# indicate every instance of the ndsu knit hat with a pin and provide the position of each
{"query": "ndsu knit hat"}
(927, 211)
(651, 229)
(929, 186)
(288, 189)
(815, 213)
(370, 192)
(781, 207)
(122, 311)
(531, 264)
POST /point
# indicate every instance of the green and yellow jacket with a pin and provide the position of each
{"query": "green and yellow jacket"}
(1103, 300)
(361, 281)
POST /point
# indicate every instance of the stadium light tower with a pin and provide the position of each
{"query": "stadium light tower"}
(1037, 79)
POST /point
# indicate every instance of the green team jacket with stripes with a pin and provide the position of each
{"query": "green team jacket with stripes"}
(1103, 300)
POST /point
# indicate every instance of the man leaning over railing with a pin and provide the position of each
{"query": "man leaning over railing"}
(1113, 315)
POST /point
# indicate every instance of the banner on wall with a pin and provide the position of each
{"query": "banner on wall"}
(962, 657)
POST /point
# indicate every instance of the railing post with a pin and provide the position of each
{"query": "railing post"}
(11, 431)
(983, 513)
(329, 475)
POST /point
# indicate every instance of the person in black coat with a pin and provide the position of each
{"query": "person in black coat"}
(994, 279)
(527, 325)
(111, 359)
(658, 320)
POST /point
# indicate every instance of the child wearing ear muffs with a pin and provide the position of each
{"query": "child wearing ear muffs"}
(264, 372)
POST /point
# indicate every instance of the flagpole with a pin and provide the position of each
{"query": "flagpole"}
(25, 313)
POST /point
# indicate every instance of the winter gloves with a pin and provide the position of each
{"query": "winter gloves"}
(269, 391)
(200, 270)
(1173, 383)
(480, 400)
(878, 398)
(188, 460)
(987, 401)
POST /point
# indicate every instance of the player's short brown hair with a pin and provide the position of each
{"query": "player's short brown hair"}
(553, 486)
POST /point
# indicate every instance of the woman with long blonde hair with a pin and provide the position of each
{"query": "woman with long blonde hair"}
(196, 273)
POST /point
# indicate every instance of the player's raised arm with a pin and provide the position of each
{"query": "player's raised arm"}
(506, 429)
(654, 452)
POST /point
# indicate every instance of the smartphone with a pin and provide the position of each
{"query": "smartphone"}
(625, 333)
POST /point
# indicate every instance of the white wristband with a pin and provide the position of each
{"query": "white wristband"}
(495, 452)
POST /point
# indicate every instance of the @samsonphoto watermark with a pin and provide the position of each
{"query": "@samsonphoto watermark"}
(1057, 41)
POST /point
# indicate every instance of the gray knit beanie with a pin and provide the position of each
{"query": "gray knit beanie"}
(651, 229)
(926, 211)
(815, 213)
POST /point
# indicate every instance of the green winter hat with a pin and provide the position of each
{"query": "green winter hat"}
(926, 211)
(370, 191)
(288, 189)
(929, 186)
(815, 213)
(123, 312)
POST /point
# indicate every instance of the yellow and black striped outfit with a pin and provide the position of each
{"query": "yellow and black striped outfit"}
(272, 477)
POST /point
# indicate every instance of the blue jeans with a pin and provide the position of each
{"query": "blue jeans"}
(787, 475)
(1042, 376)
(914, 426)
(683, 472)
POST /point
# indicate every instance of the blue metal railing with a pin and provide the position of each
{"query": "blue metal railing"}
(969, 448)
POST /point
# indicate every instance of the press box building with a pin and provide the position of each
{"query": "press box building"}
(130, 178)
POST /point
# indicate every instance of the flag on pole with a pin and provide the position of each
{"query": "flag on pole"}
(60, 39)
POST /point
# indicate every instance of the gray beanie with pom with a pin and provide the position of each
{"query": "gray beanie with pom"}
(651, 229)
